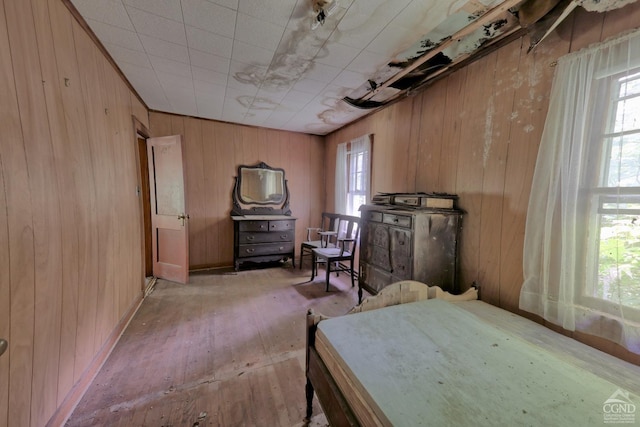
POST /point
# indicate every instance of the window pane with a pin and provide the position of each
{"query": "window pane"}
(617, 206)
(624, 162)
(630, 85)
(619, 260)
(354, 203)
(627, 114)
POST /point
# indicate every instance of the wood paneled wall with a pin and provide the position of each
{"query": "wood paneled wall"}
(213, 152)
(70, 239)
(476, 133)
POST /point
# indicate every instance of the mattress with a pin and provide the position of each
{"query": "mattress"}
(435, 362)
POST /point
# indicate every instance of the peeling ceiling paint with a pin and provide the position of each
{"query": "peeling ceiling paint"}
(261, 63)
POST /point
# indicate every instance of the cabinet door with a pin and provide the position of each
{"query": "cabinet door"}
(400, 243)
(373, 278)
(379, 246)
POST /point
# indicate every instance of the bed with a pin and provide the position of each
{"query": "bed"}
(415, 355)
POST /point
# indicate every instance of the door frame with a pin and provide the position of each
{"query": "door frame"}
(141, 132)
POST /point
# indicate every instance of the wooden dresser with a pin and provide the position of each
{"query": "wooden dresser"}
(401, 243)
(263, 238)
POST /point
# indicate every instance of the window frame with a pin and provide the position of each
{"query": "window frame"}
(596, 195)
(365, 178)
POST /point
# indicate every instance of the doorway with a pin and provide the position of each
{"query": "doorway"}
(143, 192)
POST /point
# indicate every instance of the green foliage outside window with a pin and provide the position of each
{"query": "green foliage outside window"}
(619, 266)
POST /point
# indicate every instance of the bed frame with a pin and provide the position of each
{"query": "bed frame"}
(587, 378)
(320, 380)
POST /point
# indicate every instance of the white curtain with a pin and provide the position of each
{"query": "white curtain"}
(353, 164)
(359, 186)
(559, 267)
(341, 179)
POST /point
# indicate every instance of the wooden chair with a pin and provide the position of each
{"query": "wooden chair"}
(323, 236)
(341, 257)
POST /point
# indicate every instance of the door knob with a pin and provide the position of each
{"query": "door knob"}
(183, 217)
(3, 346)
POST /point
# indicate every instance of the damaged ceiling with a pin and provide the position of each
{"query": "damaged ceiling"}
(309, 66)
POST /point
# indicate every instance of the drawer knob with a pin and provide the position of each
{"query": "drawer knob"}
(251, 238)
(250, 251)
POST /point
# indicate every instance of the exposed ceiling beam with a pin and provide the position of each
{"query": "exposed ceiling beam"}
(469, 29)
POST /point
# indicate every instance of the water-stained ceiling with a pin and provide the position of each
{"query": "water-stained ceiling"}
(310, 66)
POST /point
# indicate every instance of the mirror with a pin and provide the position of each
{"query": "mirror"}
(260, 190)
(261, 186)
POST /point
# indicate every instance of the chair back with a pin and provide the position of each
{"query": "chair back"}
(329, 221)
(349, 228)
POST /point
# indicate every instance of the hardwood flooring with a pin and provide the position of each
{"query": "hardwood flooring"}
(226, 350)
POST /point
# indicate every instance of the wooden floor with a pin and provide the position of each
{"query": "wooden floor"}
(225, 350)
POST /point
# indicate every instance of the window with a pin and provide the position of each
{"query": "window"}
(613, 256)
(358, 163)
(352, 175)
(581, 256)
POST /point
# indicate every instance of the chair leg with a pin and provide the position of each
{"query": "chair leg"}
(301, 255)
(328, 274)
(352, 274)
(313, 265)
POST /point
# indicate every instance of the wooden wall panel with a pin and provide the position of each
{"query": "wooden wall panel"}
(194, 157)
(452, 125)
(214, 152)
(587, 29)
(44, 192)
(63, 145)
(70, 216)
(16, 363)
(478, 135)
(5, 296)
(429, 126)
(471, 163)
(497, 136)
(619, 18)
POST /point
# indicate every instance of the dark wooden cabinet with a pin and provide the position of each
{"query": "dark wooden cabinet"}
(263, 238)
(408, 244)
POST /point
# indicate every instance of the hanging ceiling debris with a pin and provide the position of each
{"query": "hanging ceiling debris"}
(463, 37)
(292, 65)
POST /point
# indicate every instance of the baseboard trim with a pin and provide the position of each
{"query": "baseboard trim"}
(74, 396)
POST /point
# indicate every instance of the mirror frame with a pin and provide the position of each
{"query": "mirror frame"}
(240, 207)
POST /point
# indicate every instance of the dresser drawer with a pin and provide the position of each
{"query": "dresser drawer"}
(401, 267)
(282, 225)
(400, 241)
(253, 226)
(249, 237)
(265, 249)
(373, 278)
(397, 220)
(372, 216)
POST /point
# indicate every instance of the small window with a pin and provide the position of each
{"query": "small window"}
(358, 170)
(353, 164)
